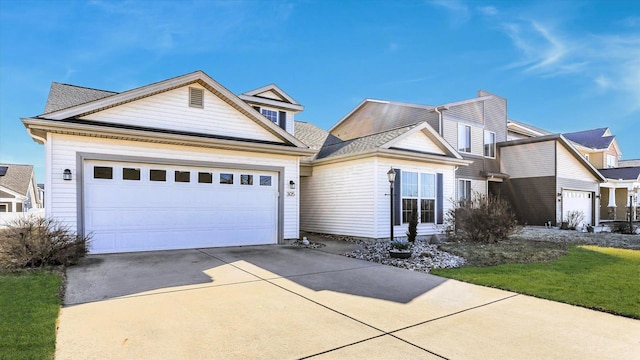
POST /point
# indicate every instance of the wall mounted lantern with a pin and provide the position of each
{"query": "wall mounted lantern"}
(66, 175)
(292, 185)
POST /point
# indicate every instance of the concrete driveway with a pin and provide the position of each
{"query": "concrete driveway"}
(279, 302)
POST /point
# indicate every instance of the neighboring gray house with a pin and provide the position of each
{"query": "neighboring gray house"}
(18, 189)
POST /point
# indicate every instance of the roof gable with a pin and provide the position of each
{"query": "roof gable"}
(170, 110)
(84, 110)
(17, 178)
(424, 139)
(271, 95)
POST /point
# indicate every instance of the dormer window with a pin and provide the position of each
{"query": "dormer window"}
(270, 114)
(196, 97)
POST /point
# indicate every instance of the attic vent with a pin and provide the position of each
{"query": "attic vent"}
(196, 97)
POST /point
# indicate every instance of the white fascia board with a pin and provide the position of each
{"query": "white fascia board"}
(395, 154)
(274, 88)
(270, 102)
(15, 194)
(524, 129)
(430, 132)
(148, 136)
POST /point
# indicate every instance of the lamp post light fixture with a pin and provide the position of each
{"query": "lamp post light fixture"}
(392, 178)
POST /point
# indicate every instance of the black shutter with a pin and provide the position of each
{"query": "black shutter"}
(439, 200)
(282, 119)
(397, 201)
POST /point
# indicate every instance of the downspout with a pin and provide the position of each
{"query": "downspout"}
(36, 137)
(438, 109)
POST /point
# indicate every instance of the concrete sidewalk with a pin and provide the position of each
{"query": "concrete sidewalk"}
(278, 302)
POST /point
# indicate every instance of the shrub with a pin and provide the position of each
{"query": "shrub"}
(574, 218)
(413, 226)
(36, 242)
(400, 245)
(482, 218)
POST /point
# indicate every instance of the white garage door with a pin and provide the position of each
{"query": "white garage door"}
(140, 207)
(578, 201)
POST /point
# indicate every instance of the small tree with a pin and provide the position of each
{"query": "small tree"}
(574, 218)
(413, 226)
(483, 218)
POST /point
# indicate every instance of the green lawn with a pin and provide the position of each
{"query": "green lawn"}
(606, 279)
(29, 305)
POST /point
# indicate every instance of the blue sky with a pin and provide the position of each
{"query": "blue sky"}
(562, 65)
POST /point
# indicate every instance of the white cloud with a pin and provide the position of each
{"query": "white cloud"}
(547, 48)
(488, 10)
(458, 11)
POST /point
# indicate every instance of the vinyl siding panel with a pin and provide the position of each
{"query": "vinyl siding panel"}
(418, 141)
(470, 112)
(471, 171)
(64, 149)
(570, 167)
(171, 110)
(528, 160)
(339, 199)
(533, 199)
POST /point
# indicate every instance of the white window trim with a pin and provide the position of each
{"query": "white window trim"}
(458, 188)
(277, 115)
(484, 143)
(420, 197)
(460, 127)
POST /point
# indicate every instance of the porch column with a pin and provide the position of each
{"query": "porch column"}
(612, 204)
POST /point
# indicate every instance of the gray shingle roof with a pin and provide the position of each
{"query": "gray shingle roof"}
(593, 139)
(17, 178)
(628, 163)
(624, 173)
(310, 135)
(62, 96)
(361, 144)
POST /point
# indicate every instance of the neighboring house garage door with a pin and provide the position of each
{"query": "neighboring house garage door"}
(140, 207)
(573, 200)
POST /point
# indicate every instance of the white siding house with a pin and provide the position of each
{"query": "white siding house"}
(181, 163)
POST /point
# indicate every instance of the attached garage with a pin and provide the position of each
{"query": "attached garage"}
(581, 201)
(141, 207)
(178, 164)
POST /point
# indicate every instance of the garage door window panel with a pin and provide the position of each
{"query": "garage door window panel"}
(265, 180)
(205, 177)
(246, 179)
(130, 174)
(226, 179)
(102, 172)
(157, 175)
(182, 176)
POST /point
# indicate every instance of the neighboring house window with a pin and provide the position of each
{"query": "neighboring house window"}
(418, 189)
(196, 97)
(489, 144)
(271, 115)
(464, 190)
(464, 138)
(3, 208)
(611, 161)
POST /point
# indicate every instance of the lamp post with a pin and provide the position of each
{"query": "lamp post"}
(392, 178)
